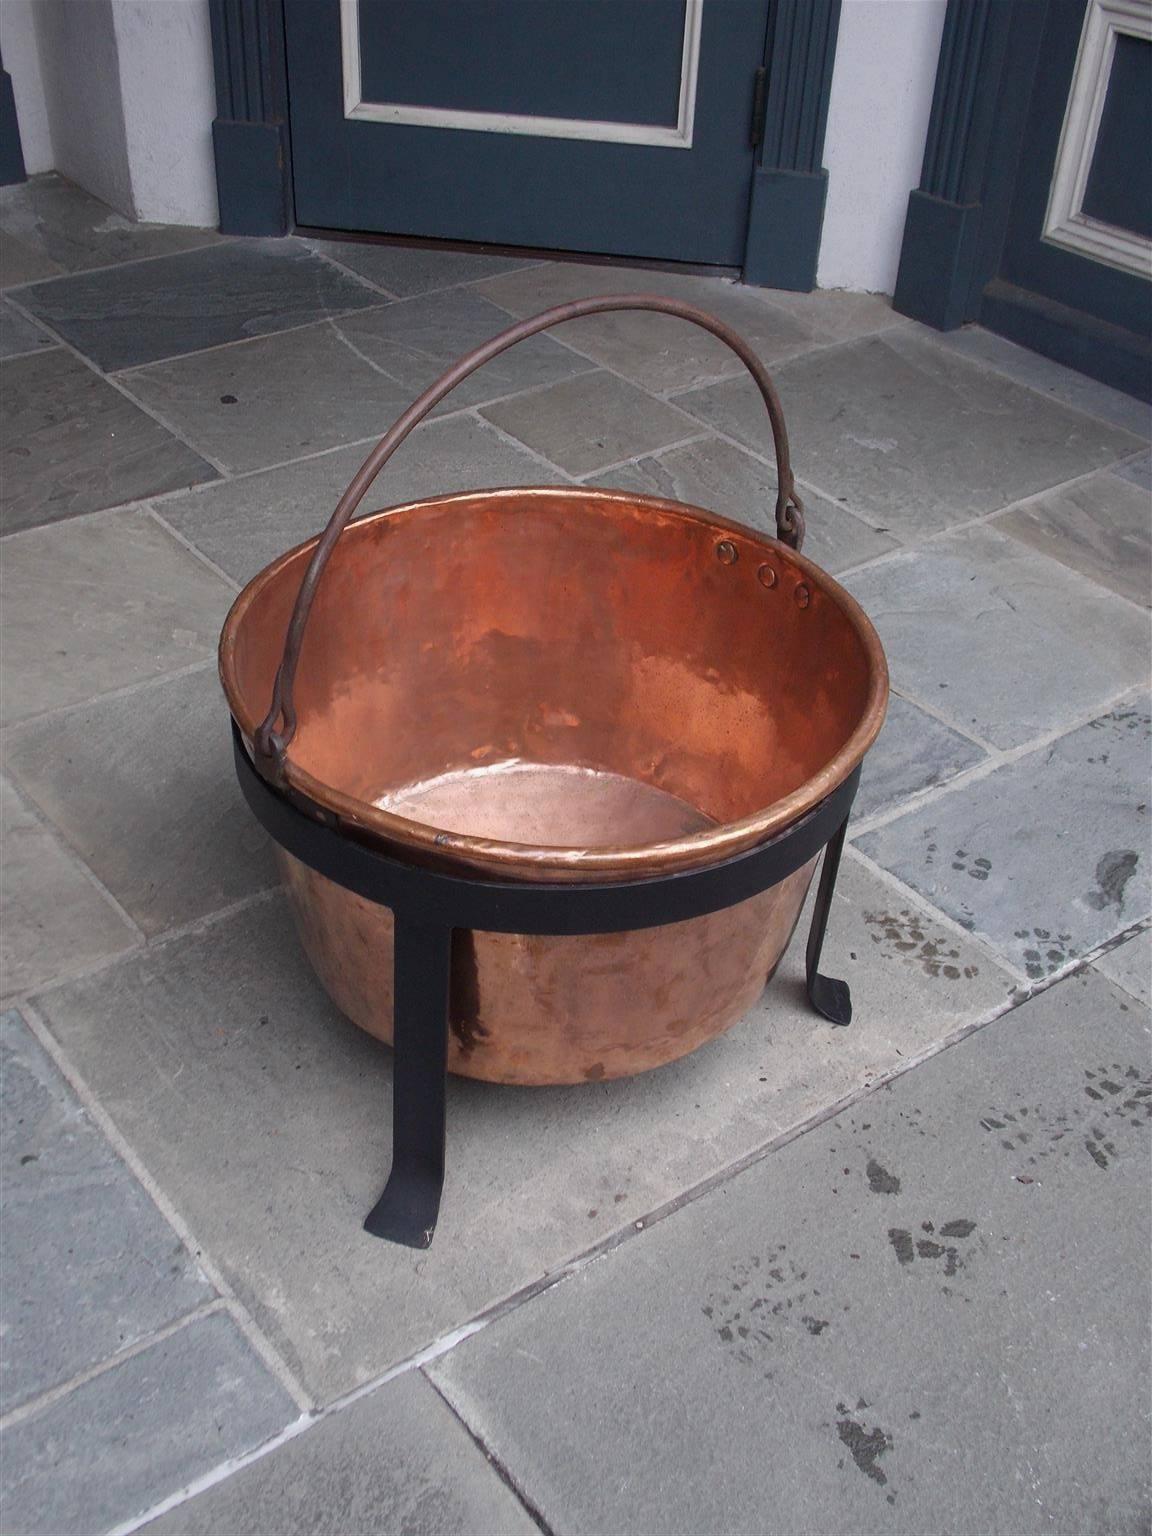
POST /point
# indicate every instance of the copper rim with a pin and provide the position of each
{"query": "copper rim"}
(548, 862)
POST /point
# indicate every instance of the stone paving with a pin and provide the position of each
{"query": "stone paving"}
(804, 1282)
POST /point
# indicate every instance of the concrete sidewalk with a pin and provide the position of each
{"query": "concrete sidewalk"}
(890, 1278)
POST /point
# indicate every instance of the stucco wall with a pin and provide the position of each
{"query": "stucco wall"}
(165, 53)
(878, 111)
(80, 69)
(118, 96)
(22, 61)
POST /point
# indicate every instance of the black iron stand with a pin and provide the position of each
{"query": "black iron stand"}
(428, 905)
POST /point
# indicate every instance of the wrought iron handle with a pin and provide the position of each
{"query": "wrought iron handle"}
(271, 744)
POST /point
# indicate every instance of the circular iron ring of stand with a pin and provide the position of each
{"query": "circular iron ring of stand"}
(428, 905)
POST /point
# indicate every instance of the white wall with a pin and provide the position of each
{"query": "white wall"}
(80, 69)
(881, 96)
(166, 82)
(118, 96)
(22, 61)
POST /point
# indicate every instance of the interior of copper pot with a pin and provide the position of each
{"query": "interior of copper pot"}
(562, 669)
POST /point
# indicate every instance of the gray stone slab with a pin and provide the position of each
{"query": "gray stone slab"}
(90, 1265)
(1130, 966)
(1101, 526)
(658, 352)
(587, 423)
(414, 342)
(53, 920)
(71, 443)
(1137, 470)
(271, 400)
(19, 335)
(403, 271)
(721, 478)
(913, 752)
(1007, 644)
(1048, 856)
(1050, 378)
(265, 1118)
(928, 1315)
(22, 261)
(97, 605)
(397, 1463)
(243, 524)
(51, 226)
(143, 787)
(913, 436)
(834, 314)
(139, 1432)
(123, 316)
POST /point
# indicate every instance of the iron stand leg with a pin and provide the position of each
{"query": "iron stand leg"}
(829, 997)
(407, 1210)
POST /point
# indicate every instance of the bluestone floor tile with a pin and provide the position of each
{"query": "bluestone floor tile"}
(913, 436)
(274, 399)
(98, 604)
(1046, 857)
(19, 335)
(721, 478)
(587, 423)
(139, 1432)
(53, 920)
(264, 1116)
(414, 342)
(1049, 378)
(1137, 470)
(913, 752)
(658, 352)
(243, 524)
(1129, 965)
(901, 1322)
(1101, 526)
(833, 314)
(125, 316)
(404, 270)
(71, 443)
(397, 1463)
(51, 226)
(90, 1266)
(143, 787)
(1005, 643)
(23, 260)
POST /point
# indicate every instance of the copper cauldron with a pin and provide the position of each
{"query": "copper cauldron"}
(555, 685)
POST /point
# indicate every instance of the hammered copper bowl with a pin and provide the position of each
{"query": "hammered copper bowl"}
(561, 684)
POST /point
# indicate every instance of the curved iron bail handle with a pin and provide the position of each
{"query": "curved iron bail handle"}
(272, 744)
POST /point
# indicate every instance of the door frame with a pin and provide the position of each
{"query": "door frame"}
(958, 220)
(788, 113)
(11, 153)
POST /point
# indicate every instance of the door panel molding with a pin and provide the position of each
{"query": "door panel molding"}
(973, 239)
(944, 260)
(655, 135)
(789, 182)
(1065, 223)
(250, 138)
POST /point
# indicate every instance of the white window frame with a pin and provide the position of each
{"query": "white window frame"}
(655, 134)
(1065, 223)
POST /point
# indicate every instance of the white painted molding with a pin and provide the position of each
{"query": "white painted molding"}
(1065, 223)
(654, 134)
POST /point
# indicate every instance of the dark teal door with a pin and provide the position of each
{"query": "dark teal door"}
(614, 126)
(1074, 274)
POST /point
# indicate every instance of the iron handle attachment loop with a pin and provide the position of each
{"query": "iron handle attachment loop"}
(271, 744)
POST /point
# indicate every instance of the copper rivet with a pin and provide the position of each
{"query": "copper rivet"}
(802, 595)
(726, 552)
(767, 575)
